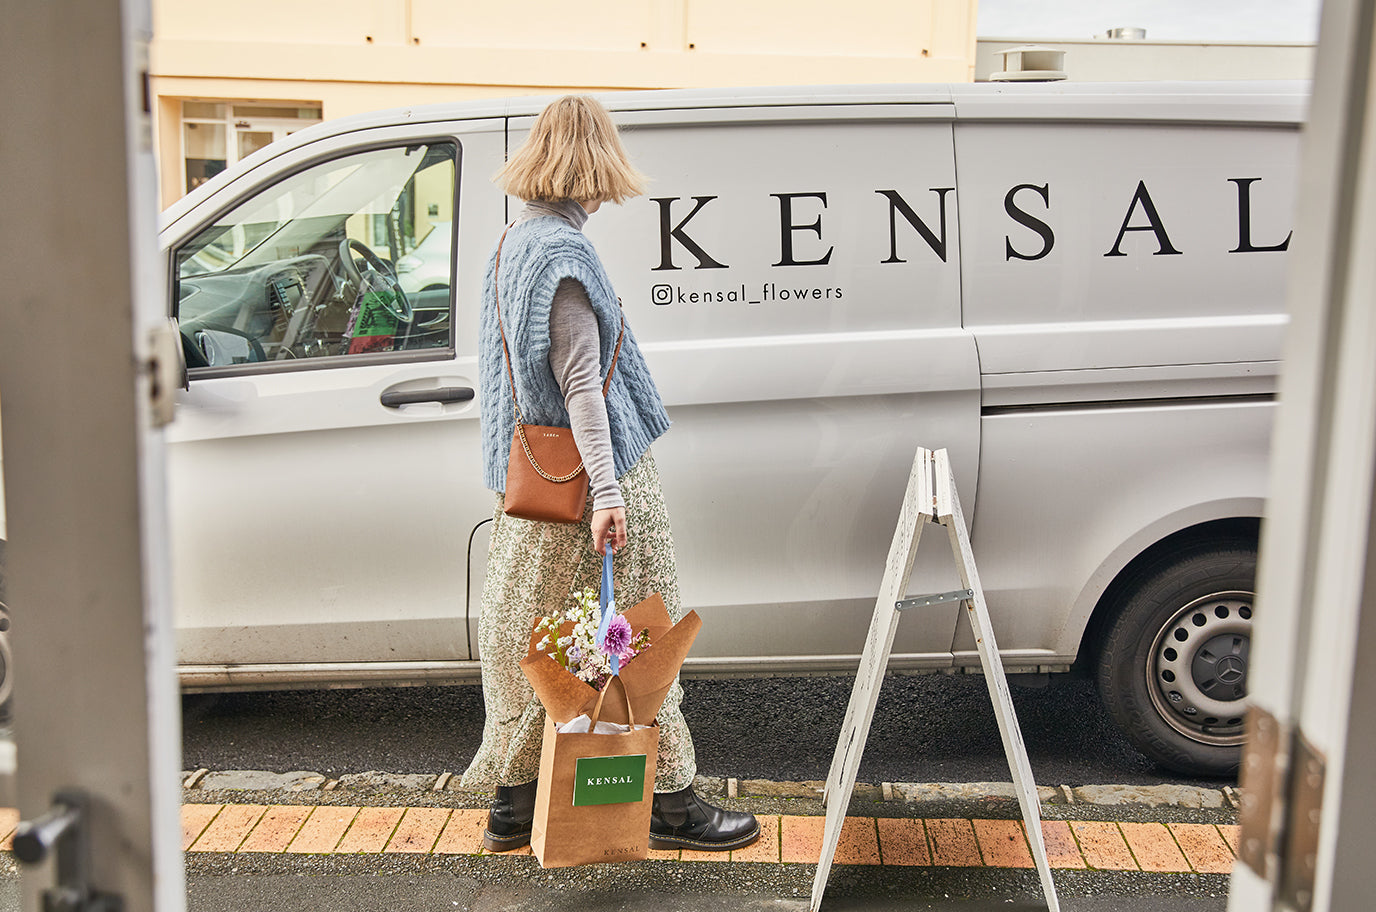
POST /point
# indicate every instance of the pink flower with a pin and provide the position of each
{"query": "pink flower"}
(618, 641)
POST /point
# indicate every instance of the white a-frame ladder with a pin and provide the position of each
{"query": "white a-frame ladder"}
(930, 498)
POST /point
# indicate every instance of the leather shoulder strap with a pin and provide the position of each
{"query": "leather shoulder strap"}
(497, 300)
(620, 337)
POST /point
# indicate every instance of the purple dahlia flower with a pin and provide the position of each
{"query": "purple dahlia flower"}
(618, 641)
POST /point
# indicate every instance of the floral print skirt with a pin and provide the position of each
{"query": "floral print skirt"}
(533, 569)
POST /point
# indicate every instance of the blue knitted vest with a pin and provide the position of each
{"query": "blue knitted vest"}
(537, 254)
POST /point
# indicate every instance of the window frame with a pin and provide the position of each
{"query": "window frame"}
(230, 124)
(446, 352)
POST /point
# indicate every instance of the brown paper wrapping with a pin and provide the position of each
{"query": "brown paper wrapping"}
(646, 679)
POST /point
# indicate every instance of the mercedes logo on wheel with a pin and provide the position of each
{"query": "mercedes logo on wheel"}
(1231, 669)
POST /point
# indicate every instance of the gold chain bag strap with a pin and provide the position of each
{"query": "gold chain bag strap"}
(545, 478)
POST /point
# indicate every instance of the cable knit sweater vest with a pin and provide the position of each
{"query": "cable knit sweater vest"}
(536, 255)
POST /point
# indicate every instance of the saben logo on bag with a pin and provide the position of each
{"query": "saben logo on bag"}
(609, 780)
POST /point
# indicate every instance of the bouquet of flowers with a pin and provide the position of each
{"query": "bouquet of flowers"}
(579, 653)
(571, 638)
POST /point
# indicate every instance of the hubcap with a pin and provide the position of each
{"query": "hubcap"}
(1197, 668)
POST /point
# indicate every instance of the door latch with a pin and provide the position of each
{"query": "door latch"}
(66, 830)
(166, 371)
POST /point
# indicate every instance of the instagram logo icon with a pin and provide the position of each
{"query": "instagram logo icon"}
(662, 294)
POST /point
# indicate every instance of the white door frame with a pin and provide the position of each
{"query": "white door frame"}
(96, 697)
(1309, 812)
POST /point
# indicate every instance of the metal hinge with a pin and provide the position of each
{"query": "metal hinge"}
(1282, 804)
(1301, 854)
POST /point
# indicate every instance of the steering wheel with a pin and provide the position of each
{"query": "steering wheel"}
(395, 303)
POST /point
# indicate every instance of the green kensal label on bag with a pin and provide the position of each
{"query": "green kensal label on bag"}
(609, 780)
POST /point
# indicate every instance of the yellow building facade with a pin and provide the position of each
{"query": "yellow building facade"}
(225, 84)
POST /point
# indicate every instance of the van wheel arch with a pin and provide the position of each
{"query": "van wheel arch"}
(1130, 645)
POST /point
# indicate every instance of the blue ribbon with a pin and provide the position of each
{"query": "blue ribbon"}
(608, 606)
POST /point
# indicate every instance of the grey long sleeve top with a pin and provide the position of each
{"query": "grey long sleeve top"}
(575, 358)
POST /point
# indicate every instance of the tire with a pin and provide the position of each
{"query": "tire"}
(1173, 667)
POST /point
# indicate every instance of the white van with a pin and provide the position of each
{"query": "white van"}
(1075, 289)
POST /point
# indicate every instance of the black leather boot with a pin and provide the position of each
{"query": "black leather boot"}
(682, 820)
(508, 822)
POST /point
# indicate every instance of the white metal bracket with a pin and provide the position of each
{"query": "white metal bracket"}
(926, 601)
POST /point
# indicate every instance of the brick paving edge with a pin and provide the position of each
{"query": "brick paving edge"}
(304, 783)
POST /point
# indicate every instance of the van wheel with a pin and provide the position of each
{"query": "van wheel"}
(1173, 668)
(6, 678)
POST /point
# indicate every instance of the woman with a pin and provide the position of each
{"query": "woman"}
(562, 321)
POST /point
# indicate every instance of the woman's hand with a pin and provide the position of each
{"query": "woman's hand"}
(608, 526)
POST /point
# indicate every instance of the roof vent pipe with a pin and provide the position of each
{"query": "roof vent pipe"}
(1031, 63)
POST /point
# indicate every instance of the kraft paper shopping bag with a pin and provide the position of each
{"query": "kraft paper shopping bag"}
(593, 802)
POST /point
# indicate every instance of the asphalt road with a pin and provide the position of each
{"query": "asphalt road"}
(636, 890)
(413, 885)
(930, 728)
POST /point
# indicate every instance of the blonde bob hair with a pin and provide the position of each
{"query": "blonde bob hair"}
(573, 153)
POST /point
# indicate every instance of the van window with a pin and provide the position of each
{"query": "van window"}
(350, 258)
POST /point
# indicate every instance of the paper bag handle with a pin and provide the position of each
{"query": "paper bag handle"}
(608, 605)
(597, 707)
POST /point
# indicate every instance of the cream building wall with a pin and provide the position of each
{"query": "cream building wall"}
(268, 64)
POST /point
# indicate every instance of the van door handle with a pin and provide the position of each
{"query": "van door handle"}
(398, 398)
